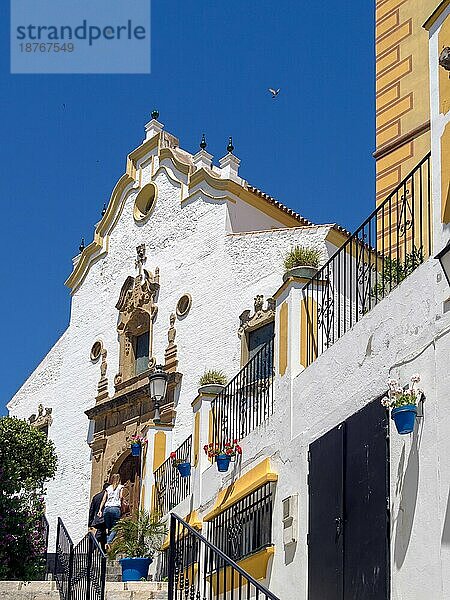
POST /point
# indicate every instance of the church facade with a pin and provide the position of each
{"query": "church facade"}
(324, 498)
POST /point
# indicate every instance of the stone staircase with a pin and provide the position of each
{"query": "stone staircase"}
(46, 590)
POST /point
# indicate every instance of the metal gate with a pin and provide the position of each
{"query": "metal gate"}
(348, 540)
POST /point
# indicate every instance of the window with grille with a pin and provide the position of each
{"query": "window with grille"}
(142, 352)
(245, 527)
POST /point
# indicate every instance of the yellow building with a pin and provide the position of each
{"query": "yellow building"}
(402, 90)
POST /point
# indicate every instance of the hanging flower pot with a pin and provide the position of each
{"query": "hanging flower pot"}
(135, 449)
(403, 404)
(184, 469)
(223, 462)
(404, 418)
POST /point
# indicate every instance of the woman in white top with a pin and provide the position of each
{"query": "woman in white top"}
(110, 506)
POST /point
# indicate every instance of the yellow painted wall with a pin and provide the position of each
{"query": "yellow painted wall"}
(159, 449)
(402, 89)
(283, 338)
(444, 79)
(445, 174)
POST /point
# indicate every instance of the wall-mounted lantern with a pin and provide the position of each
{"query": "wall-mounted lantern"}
(444, 58)
(444, 258)
(157, 389)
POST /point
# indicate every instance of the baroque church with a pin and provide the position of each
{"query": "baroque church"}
(326, 498)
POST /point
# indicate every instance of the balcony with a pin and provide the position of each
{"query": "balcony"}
(391, 243)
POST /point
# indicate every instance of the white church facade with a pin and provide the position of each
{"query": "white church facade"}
(185, 274)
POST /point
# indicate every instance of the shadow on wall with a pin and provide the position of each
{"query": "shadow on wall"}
(407, 486)
(446, 530)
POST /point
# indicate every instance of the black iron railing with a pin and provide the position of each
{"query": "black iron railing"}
(246, 401)
(198, 569)
(162, 565)
(170, 487)
(43, 529)
(393, 241)
(63, 561)
(245, 527)
(80, 571)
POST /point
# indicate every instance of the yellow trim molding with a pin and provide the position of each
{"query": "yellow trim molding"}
(245, 485)
(283, 343)
(193, 520)
(445, 174)
(101, 235)
(159, 449)
(244, 194)
(435, 15)
(255, 565)
(184, 168)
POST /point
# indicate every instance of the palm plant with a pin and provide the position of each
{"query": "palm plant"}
(139, 535)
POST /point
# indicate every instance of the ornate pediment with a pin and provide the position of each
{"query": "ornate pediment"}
(260, 317)
(41, 421)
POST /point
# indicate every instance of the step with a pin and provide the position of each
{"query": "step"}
(136, 590)
(47, 590)
(28, 590)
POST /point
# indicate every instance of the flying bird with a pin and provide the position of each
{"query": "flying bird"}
(274, 92)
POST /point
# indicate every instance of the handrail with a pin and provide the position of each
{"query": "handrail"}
(174, 519)
(171, 488)
(247, 400)
(390, 243)
(80, 571)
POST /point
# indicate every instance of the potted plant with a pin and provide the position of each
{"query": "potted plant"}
(212, 382)
(184, 467)
(301, 261)
(403, 404)
(137, 441)
(223, 454)
(138, 537)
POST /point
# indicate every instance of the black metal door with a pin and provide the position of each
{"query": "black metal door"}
(326, 481)
(348, 522)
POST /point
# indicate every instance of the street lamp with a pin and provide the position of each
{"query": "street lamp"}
(444, 258)
(157, 389)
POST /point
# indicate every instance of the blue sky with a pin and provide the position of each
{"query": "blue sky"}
(64, 138)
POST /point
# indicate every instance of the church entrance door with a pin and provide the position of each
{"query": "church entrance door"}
(130, 472)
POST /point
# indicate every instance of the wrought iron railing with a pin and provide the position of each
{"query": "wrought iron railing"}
(393, 241)
(43, 529)
(245, 527)
(170, 487)
(80, 571)
(63, 561)
(247, 400)
(198, 569)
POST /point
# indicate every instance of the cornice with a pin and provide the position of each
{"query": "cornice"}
(183, 167)
(101, 235)
(436, 14)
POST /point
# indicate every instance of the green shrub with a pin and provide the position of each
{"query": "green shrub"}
(213, 376)
(300, 256)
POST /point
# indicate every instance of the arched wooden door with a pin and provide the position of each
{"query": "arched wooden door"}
(129, 472)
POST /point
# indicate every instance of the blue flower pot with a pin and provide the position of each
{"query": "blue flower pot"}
(184, 469)
(404, 418)
(135, 449)
(134, 569)
(223, 462)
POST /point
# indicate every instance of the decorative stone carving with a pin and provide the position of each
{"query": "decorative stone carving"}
(261, 316)
(102, 387)
(137, 307)
(170, 354)
(43, 420)
(248, 322)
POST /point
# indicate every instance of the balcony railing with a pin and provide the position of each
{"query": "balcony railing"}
(391, 243)
(171, 488)
(247, 400)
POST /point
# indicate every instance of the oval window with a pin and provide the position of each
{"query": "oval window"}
(183, 305)
(96, 350)
(145, 201)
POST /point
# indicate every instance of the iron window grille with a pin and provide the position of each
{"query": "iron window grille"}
(245, 527)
